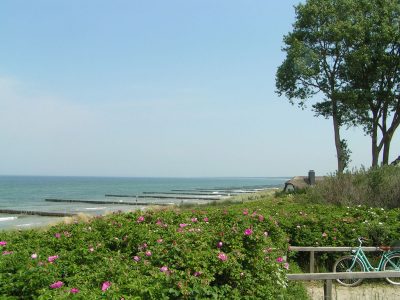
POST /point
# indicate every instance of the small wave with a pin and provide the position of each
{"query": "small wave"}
(8, 219)
(25, 225)
(95, 208)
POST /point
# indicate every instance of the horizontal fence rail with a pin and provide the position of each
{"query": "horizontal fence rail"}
(343, 275)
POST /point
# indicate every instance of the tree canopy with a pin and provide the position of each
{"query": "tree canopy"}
(347, 51)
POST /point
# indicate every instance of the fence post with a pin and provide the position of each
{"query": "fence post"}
(312, 261)
(328, 289)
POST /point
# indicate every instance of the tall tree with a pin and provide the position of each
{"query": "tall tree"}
(315, 59)
(373, 72)
(348, 50)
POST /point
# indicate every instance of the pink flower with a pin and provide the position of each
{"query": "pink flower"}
(34, 256)
(7, 252)
(164, 269)
(148, 253)
(286, 266)
(222, 256)
(74, 291)
(105, 286)
(324, 234)
(56, 285)
(245, 212)
(91, 249)
(52, 258)
(261, 218)
(265, 233)
(194, 220)
(139, 220)
(136, 258)
(205, 219)
(220, 244)
(159, 241)
(183, 225)
(57, 235)
(279, 259)
(197, 274)
(248, 231)
(159, 222)
(3, 243)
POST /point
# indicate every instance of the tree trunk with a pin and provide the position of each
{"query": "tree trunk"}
(336, 129)
(386, 149)
(374, 142)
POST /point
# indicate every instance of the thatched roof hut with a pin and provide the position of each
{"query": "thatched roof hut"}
(301, 182)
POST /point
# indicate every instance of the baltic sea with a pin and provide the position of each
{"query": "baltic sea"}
(29, 193)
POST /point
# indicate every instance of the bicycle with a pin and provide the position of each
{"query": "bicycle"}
(358, 262)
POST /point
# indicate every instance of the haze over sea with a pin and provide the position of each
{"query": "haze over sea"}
(28, 193)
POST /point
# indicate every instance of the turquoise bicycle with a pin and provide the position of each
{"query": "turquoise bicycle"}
(358, 262)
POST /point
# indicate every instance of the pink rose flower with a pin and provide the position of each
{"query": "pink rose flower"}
(3, 243)
(205, 219)
(56, 285)
(140, 219)
(219, 244)
(159, 241)
(245, 212)
(136, 258)
(52, 258)
(286, 266)
(57, 235)
(148, 253)
(74, 291)
(164, 269)
(194, 220)
(7, 252)
(34, 256)
(248, 231)
(222, 256)
(106, 285)
(324, 234)
(279, 259)
(183, 225)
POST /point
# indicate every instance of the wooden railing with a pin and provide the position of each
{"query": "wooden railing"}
(312, 251)
(328, 277)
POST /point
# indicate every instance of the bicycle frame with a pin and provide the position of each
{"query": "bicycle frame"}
(360, 255)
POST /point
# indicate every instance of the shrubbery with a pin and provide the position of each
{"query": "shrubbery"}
(232, 253)
(378, 187)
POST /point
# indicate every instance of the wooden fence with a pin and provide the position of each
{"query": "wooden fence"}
(328, 277)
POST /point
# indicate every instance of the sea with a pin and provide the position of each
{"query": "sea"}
(102, 195)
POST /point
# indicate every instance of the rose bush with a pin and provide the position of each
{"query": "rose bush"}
(221, 253)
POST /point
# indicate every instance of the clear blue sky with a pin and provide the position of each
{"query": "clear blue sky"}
(155, 88)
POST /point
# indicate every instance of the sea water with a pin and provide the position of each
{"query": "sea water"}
(28, 193)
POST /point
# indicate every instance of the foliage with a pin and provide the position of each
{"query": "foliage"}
(315, 61)
(378, 187)
(212, 253)
(308, 224)
(347, 51)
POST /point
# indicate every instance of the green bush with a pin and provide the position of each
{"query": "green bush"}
(213, 253)
(378, 187)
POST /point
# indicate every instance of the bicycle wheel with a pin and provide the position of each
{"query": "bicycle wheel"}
(392, 264)
(348, 264)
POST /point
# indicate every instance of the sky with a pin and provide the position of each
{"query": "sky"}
(155, 88)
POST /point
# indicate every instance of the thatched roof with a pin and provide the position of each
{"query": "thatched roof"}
(300, 182)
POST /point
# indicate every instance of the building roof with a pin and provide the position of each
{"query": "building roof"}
(301, 182)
